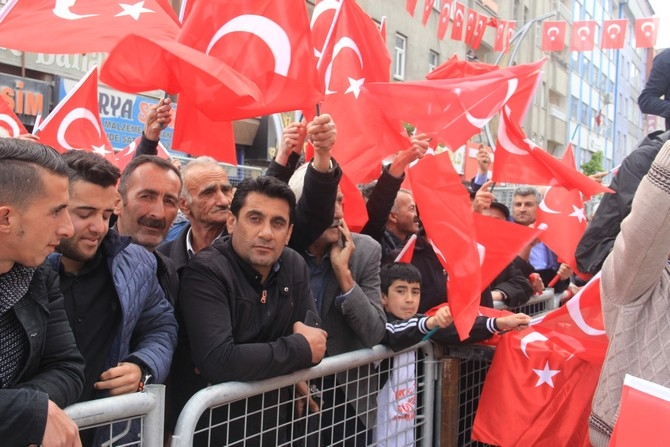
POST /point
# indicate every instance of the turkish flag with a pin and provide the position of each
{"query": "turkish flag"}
(445, 16)
(499, 242)
(614, 34)
(382, 28)
(125, 155)
(407, 251)
(480, 29)
(10, 122)
(470, 24)
(75, 121)
(410, 6)
(553, 35)
(210, 82)
(453, 110)
(353, 205)
(196, 134)
(321, 24)
(646, 30)
(519, 160)
(453, 68)
(510, 33)
(643, 414)
(88, 26)
(355, 56)
(501, 33)
(427, 8)
(583, 35)
(569, 157)
(578, 325)
(535, 394)
(561, 215)
(459, 18)
(275, 39)
(445, 210)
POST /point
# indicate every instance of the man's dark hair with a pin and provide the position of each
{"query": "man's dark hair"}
(22, 163)
(91, 168)
(268, 186)
(398, 271)
(136, 162)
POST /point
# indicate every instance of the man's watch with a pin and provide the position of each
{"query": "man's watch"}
(144, 379)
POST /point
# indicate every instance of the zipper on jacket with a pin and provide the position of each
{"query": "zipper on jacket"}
(264, 296)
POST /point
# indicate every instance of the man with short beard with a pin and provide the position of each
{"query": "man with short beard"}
(122, 323)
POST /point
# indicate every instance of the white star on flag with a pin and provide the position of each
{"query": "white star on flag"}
(578, 213)
(545, 375)
(100, 150)
(355, 86)
(133, 11)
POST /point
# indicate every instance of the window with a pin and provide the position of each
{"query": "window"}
(437, 5)
(400, 48)
(433, 60)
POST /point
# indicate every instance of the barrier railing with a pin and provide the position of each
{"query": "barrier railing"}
(145, 409)
(233, 408)
(537, 304)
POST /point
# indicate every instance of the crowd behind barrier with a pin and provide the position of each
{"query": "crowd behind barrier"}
(454, 375)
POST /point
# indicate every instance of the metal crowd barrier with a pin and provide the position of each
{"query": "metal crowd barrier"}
(464, 370)
(448, 381)
(536, 305)
(146, 409)
(252, 411)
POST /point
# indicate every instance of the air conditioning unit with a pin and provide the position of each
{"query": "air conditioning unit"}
(608, 98)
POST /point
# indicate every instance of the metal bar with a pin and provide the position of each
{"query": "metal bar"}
(101, 411)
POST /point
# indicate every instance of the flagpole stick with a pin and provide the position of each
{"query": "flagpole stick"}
(430, 334)
(553, 281)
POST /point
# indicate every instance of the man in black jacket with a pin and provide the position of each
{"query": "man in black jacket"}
(41, 370)
(243, 300)
(598, 239)
(657, 85)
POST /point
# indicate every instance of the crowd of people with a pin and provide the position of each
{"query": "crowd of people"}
(265, 278)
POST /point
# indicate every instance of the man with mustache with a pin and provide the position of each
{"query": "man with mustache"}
(149, 189)
(122, 323)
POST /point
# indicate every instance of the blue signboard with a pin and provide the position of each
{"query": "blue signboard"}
(123, 114)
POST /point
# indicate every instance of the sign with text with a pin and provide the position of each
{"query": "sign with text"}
(26, 97)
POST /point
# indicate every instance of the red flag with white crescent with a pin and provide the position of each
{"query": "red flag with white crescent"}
(553, 35)
(82, 26)
(75, 121)
(10, 122)
(459, 20)
(614, 34)
(646, 30)
(445, 16)
(583, 35)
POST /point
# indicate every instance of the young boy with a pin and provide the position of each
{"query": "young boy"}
(401, 292)
(396, 401)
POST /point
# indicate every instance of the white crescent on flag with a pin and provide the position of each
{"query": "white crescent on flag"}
(14, 129)
(344, 42)
(267, 30)
(553, 32)
(62, 10)
(73, 115)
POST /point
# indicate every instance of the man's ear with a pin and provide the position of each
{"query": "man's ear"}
(230, 223)
(184, 207)
(384, 299)
(6, 214)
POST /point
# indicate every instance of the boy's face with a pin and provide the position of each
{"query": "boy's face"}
(402, 299)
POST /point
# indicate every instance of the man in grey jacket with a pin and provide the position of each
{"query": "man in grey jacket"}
(635, 287)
